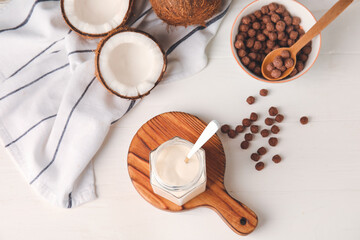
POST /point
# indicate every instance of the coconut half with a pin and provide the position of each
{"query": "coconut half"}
(186, 12)
(129, 63)
(95, 18)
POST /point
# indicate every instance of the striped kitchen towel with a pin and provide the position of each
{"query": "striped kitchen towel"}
(54, 114)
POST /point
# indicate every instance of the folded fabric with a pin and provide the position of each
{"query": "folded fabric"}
(54, 113)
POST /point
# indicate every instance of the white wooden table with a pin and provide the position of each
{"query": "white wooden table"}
(313, 194)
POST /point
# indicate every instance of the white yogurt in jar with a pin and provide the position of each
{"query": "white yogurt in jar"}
(172, 168)
(171, 177)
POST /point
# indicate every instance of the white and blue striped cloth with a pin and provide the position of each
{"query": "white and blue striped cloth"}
(54, 114)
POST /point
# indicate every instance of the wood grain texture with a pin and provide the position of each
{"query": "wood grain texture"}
(163, 127)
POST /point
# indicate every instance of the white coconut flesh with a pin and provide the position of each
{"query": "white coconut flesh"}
(96, 16)
(130, 63)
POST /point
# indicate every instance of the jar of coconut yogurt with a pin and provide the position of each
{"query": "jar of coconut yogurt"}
(173, 178)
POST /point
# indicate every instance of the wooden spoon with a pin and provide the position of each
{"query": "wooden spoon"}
(330, 16)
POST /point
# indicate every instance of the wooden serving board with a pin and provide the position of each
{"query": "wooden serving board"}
(163, 127)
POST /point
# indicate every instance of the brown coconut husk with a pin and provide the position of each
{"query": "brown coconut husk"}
(90, 35)
(186, 12)
(97, 56)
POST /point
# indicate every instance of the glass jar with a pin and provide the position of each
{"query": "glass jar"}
(171, 177)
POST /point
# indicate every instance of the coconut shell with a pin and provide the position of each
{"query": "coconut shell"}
(185, 12)
(97, 58)
(90, 35)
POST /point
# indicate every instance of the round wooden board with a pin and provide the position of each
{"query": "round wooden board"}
(165, 126)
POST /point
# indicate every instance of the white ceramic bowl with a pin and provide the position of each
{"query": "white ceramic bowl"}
(295, 9)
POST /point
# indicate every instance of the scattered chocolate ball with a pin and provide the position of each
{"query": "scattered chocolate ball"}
(304, 120)
(232, 134)
(244, 144)
(275, 129)
(273, 141)
(263, 92)
(250, 100)
(248, 137)
(265, 133)
(273, 111)
(259, 166)
(262, 151)
(246, 122)
(279, 118)
(269, 121)
(254, 128)
(225, 128)
(253, 117)
(255, 157)
(239, 128)
(276, 158)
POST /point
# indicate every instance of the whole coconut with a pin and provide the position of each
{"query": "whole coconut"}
(185, 12)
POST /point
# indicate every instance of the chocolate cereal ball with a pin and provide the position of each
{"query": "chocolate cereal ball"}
(306, 50)
(281, 36)
(276, 73)
(285, 54)
(296, 21)
(270, 67)
(257, 45)
(303, 57)
(273, 6)
(256, 25)
(242, 53)
(278, 62)
(275, 18)
(273, 36)
(246, 20)
(244, 28)
(288, 20)
(264, 10)
(239, 44)
(251, 33)
(245, 60)
(300, 66)
(293, 35)
(280, 26)
(289, 63)
(225, 128)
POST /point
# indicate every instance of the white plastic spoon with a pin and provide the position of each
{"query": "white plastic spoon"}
(208, 132)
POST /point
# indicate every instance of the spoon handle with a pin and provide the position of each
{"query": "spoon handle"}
(209, 131)
(325, 20)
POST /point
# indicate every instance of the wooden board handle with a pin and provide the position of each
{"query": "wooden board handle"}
(236, 215)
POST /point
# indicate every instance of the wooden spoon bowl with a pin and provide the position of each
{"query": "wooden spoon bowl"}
(270, 58)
